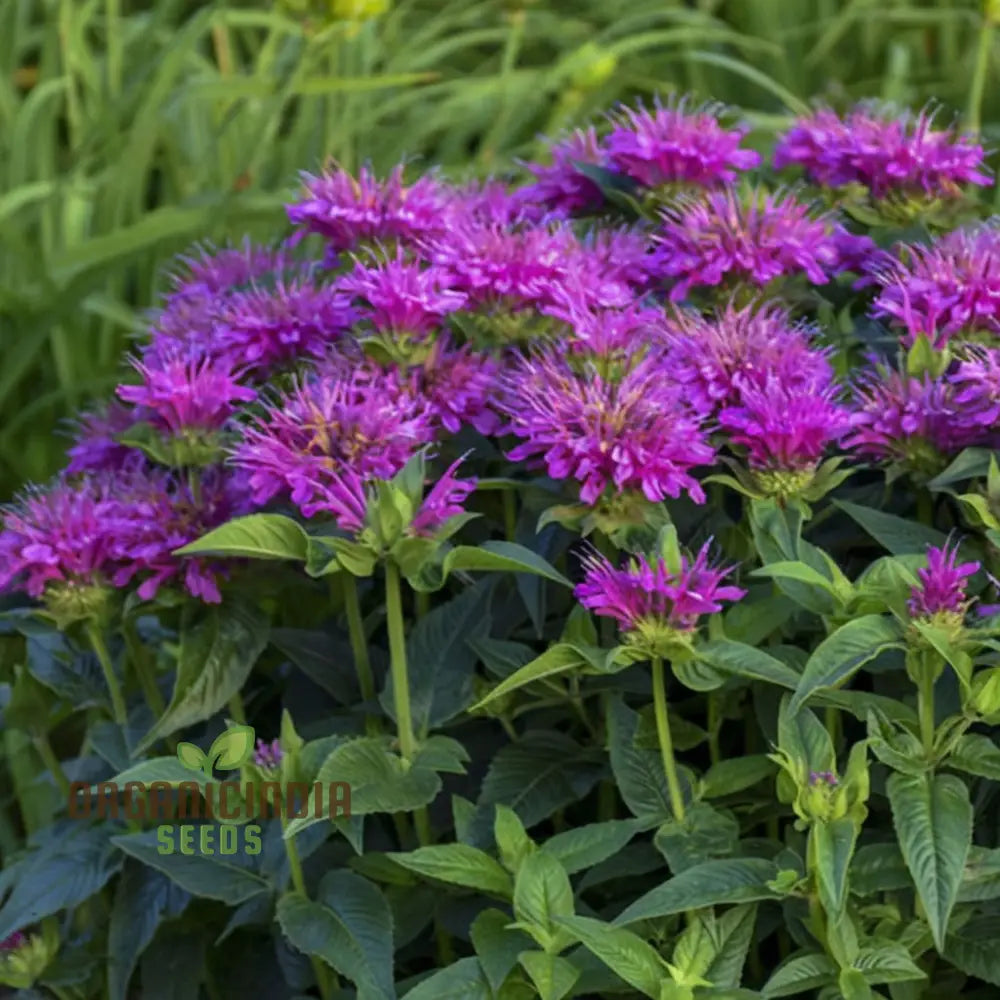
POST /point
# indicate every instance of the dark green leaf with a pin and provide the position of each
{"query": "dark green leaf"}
(256, 536)
(459, 865)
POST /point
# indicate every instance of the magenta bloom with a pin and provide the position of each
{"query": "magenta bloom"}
(169, 512)
(560, 188)
(349, 211)
(13, 942)
(444, 501)
(705, 241)
(718, 358)
(606, 332)
(883, 149)
(268, 756)
(942, 584)
(95, 447)
(71, 534)
(903, 418)
(785, 428)
(184, 394)
(632, 434)
(677, 143)
(362, 420)
(977, 389)
(946, 289)
(649, 601)
(459, 386)
(401, 298)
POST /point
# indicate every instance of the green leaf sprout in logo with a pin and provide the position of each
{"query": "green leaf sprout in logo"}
(230, 751)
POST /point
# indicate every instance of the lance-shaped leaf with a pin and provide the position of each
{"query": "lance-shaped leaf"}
(256, 536)
(458, 864)
(932, 815)
(501, 556)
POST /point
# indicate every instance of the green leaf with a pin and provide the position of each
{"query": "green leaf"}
(638, 771)
(552, 976)
(731, 880)
(556, 660)
(731, 934)
(74, 862)
(885, 961)
(143, 897)
(842, 654)
(585, 846)
(933, 820)
(233, 748)
(543, 771)
(800, 973)
(349, 927)
(512, 839)
(441, 661)
(206, 875)
(191, 756)
(459, 865)
(216, 657)
(167, 769)
(737, 659)
(800, 571)
(970, 463)
(462, 980)
(976, 754)
(380, 780)
(879, 868)
(542, 892)
(834, 846)
(736, 775)
(622, 951)
(497, 945)
(898, 535)
(704, 834)
(503, 556)
(973, 949)
(256, 536)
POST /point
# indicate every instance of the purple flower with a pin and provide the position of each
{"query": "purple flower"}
(13, 942)
(69, 534)
(488, 203)
(718, 358)
(651, 601)
(96, 447)
(785, 428)
(908, 419)
(827, 778)
(677, 143)
(185, 394)
(169, 512)
(606, 332)
(268, 756)
(977, 389)
(404, 299)
(941, 590)
(349, 212)
(329, 424)
(459, 387)
(632, 434)
(945, 289)
(705, 241)
(266, 327)
(444, 501)
(560, 188)
(886, 151)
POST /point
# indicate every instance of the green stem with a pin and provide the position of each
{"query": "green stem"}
(981, 67)
(666, 743)
(323, 973)
(833, 725)
(423, 603)
(138, 654)
(104, 657)
(510, 513)
(236, 709)
(714, 725)
(51, 761)
(925, 708)
(397, 662)
(925, 507)
(359, 646)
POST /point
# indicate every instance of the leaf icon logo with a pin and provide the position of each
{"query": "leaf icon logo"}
(229, 752)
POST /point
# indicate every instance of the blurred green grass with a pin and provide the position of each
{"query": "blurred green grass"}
(129, 130)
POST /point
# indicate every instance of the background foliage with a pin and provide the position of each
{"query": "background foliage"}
(129, 130)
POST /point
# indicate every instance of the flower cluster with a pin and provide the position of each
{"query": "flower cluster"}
(884, 150)
(940, 594)
(268, 756)
(654, 605)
